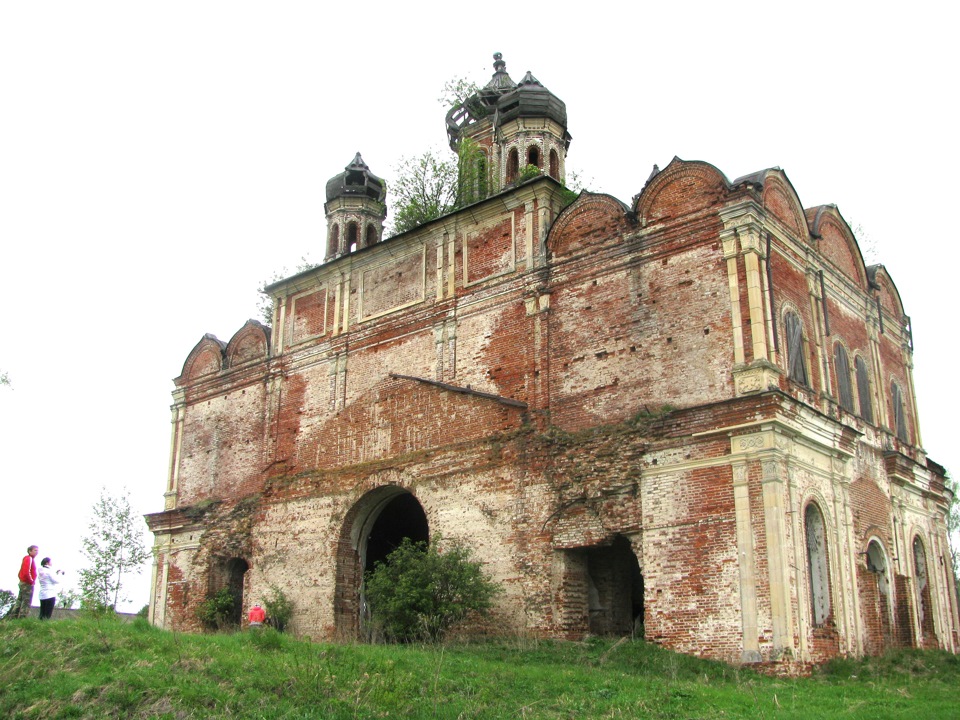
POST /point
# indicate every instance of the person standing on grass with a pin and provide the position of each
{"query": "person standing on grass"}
(48, 592)
(28, 577)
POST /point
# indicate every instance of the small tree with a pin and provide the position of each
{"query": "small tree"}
(279, 608)
(68, 598)
(6, 601)
(425, 188)
(953, 530)
(114, 548)
(421, 591)
(217, 610)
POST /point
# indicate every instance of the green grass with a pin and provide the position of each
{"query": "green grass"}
(89, 668)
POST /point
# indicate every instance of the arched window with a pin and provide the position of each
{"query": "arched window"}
(796, 366)
(863, 389)
(481, 175)
(513, 165)
(533, 155)
(554, 165)
(371, 236)
(899, 412)
(818, 568)
(844, 387)
(353, 236)
(877, 563)
(334, 241)
(923, 594)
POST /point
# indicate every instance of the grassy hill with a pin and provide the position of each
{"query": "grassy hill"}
(88, 668)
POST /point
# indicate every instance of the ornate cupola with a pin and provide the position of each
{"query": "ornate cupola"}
(509, 126)
(355, 209)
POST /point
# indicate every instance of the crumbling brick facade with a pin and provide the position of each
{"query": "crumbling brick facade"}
(636, 416)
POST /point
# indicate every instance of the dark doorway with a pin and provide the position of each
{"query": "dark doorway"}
(401, 518)
(615, 589)
(229, 574)
(373, 528)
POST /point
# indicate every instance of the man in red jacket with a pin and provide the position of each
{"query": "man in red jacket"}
(257, 616)
(28, 576)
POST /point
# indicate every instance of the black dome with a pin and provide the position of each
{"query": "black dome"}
(356, 180)
(505, 100)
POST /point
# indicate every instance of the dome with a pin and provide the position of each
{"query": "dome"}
(356, 180)
(531, 99)
(505, 100)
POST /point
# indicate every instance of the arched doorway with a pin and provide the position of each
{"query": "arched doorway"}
(875, 594)
(372, 529)
(229, 573)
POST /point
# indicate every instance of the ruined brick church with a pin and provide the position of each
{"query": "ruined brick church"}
(692, 415)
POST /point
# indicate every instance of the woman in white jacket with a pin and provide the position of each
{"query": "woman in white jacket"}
(48, 592)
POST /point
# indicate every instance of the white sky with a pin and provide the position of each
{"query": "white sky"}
(159, 161)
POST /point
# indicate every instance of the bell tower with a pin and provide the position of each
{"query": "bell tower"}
(355, 209)
(505, 130)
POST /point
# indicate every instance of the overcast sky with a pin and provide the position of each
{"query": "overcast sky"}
(159, 161)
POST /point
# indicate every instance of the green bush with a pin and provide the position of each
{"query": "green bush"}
(217, 611)
(421, 591)
(279, 608)
(528, 172)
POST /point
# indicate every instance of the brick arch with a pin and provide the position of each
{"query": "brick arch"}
(838, 244)
(591, 219)
(206, 358)
(352, 559)
(781, 200)
(886, 290)
(679, 189)
(249, 343)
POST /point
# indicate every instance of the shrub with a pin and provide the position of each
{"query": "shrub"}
(217, 610)
(7, 599)
(279, 608)
(421, 591)
(528, 172)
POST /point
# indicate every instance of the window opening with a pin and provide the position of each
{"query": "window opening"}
(844, 387)
(817, 565)
(554, 165)
(371, 238)
(899, 414)
(334, 240)
(481, 176)
(920, 574)
(797, 368)
(513, 165)
(533, 155)
(863, 389)
(353, 236)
